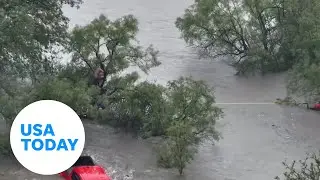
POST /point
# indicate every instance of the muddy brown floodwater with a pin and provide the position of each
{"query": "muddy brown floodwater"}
(256, 137)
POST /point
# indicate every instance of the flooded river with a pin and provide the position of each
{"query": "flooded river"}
(256, 137)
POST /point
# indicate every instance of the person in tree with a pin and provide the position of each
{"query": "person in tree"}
(98, 80)
(98, 77)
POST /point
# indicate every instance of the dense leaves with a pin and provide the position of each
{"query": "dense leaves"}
(29, 31)
(305, 82)
(33, 34)
(76, 95)
(192, 103)
(244, 30)
(258, 35)
(141, 109)
(110, 46)
(192, 119)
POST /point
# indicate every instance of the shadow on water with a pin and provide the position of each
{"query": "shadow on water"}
(256, 137)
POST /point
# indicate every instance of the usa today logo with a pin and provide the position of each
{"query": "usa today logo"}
(47, 137)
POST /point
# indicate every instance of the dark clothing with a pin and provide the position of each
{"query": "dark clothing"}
(94, 82)
(101, 105)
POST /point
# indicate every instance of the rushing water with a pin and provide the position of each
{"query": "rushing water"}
(256, 137)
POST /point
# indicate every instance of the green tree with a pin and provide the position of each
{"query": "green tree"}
(304, 82)
(142, 109)
(303, 43)
(242, 30)
(76, 95)
(193, 102)
(259, 35)
(111, 46)
(30, 32)
(192, 117)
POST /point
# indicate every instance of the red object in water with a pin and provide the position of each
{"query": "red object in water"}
(317, 106)
(85, 169)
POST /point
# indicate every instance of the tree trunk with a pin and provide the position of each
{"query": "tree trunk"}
(180, 170)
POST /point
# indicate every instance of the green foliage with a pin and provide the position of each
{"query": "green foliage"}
(164, 155)
(30, 33)
(308, 169)
(287, 101)
(240, 29)
(141, 109)
(76, 95)
(11, 105)
(305, 82)
(148, 104)
(192, 119)
(192, 102)
(181, 147)
(183, 111)
(303, 42)
(73, 73)
(5, 148)
(259, 35)
(110, 45)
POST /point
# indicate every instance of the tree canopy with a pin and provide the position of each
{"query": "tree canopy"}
(110, 46)
(256, 35)
(34, 35)
(254, 32)
(30, 33)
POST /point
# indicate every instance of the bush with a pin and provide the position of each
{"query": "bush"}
(179, 149)
(76, 95)
(308, 169)
(191, 120)
(141, 109)
(304, 82)
(164, 156)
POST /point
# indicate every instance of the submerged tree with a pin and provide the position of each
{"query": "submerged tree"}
(304, 46)
(243, 30)
(192, 117)
(263, 35)
(111, 46)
